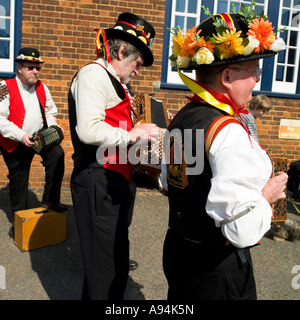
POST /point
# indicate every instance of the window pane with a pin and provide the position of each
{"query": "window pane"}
(290, 74)
(296, 18)
(179, 21)
(259, 1)
(190, 22)
(279, 73)
(285, 17)
(296, 3)
(292, 56)
(259, 8)
(293, 38)
(4, 28)
(281, 56)
(287, 3)
(5, 8)
(180, 5)
(192, 6)
(4, 49)
(222, 6)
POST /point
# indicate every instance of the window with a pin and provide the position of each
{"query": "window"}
(281, 73)
(10, 34)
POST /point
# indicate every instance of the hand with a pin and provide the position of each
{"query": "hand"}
(274, 188)
(144, 132)
(26, 140)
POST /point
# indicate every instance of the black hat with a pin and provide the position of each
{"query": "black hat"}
(224, 39)
(30, 55)
(133, 29)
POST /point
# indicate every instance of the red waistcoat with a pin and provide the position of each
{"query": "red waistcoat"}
(119, 116)
(17, 109)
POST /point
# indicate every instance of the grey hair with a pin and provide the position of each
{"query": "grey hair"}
(114, 46)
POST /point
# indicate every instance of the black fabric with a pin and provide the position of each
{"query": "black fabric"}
(206, 272)
(187, 203)
(18, 163)
(102, 201)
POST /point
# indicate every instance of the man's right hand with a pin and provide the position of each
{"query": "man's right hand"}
(144, 132)
(26, 140)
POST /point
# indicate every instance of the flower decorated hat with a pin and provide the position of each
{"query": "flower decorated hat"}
(224, 39)
(130, 28)
(29, 55)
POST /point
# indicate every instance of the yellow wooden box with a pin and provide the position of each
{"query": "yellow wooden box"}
(38, 227)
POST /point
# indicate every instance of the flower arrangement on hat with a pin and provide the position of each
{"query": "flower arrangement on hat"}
(191, 49)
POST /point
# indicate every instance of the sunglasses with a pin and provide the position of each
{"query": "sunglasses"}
(38, 68)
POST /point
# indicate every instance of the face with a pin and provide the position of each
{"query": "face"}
(29, 72)
(128, 68)
(243, 78)
(257, 113)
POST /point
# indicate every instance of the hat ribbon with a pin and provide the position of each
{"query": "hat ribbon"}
(203, 93)
(99, 44)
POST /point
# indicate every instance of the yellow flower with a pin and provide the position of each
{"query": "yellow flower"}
(178, 44)
(204, 56)
(229, 44)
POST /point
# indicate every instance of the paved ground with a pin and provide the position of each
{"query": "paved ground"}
(55, 272)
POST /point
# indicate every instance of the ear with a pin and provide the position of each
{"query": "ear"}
(226, 78)
(121, 52)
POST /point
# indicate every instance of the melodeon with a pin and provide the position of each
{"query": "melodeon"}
(150, 110)
(46, 138)
(280, 207)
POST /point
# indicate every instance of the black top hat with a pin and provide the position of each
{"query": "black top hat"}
(135, 30)
(30, 55)
(224, 39)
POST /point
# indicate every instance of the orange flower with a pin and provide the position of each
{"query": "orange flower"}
(193, 40)
(263, 31)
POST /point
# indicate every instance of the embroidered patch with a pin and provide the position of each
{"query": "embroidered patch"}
(3, 92)
(176, 170)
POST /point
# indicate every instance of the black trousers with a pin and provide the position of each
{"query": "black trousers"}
(102, 201)
(18, 163)
(206, 272)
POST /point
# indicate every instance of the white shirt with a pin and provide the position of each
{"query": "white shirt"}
(33, 118)
(93, 93)
(240, 170)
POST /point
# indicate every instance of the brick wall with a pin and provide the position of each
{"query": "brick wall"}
(63, 32)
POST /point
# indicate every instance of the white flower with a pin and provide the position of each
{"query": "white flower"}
(278, 45)
(183, 62)
(204, 56)
(253, 43)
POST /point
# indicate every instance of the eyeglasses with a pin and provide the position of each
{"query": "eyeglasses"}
(38, 68)
(256, 73)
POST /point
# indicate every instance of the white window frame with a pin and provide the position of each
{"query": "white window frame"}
(172, 76)
(283, 86)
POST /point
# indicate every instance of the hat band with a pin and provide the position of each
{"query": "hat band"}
(136, 28)
(26, 58)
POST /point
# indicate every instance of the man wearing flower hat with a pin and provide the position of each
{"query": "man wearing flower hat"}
(218, 214)
(20, 117)
(100, 116)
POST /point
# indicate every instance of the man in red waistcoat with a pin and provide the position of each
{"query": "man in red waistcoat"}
(20, 117)
(99, 112)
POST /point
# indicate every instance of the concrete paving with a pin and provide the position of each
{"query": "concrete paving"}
(56, 272)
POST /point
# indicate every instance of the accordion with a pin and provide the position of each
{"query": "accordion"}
(150, 110)
(46, 138)
(280, 206)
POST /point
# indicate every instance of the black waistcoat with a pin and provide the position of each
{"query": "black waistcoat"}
(188, 193)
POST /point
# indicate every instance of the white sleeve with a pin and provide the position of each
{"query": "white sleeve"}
(240, 170)
(50, 108)
(7, 128)
(93, 93)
